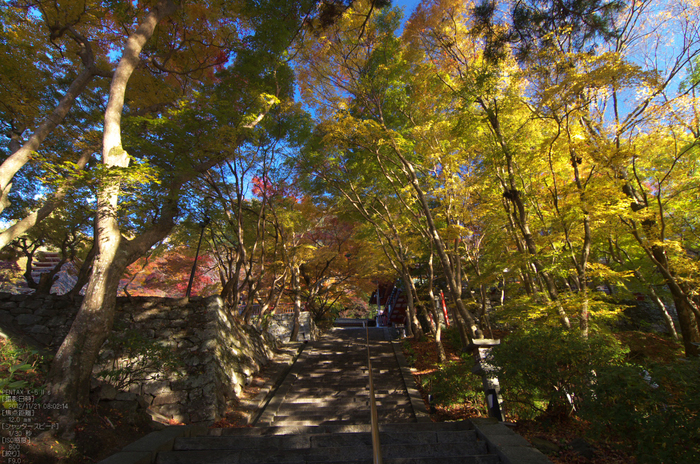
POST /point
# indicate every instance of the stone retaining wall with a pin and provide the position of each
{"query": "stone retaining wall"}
(213, 355)
(281, 325)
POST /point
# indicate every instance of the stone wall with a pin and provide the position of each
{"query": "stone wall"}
(281, 325)
(46, 319)
(213, 355)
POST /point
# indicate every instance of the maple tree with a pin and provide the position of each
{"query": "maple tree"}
(166, 272)
(178, 58)
(370, 87)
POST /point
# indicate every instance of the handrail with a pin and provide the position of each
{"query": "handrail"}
(376, 447)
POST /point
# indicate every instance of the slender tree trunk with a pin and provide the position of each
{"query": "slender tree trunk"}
(442, 357)
(687, 311)
(670, 325)
(416, 328)
(472, 330)
(296, 290)
(463, 335)
(519, 214)
(616, 254)
(84, 272)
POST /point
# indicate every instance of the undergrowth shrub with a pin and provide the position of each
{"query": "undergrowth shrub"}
(656, 406)
(131, 357)
(21, 367)
(550, 369)
(454, 383)
(451, 335)
(409, 352)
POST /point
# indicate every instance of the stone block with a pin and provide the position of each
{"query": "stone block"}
(170, 398)
(146, 315)
(55, 321)
(33, 303)
(122, 406)
(130, 457)
(522, 455)
(154, 442)
(125, 396)
(202, 410)
(156, 388)
(53, 313)
(144, 401)
(194, 381)
(195, 394)
(175, 411)
(17, 310)
(39, 330)
(6, 317)
(107, 392)
(28, 319)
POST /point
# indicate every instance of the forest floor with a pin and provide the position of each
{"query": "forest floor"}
(563, 439)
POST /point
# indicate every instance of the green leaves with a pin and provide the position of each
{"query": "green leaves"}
(553, 366)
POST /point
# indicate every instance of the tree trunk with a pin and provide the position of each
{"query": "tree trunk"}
(616, 254)
(442, 358)
(519, 214)
(296, 290)
(69, 376)
(472, 330)
(687, 312)
(416, 328)
(659, 303)
(84, 272)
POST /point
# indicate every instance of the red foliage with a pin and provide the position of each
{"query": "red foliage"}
(169, 276)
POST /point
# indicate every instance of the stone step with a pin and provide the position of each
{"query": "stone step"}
(321, 414)
(321, 419)
(325, 454)
(359, 408)
(327, 440)
(351, 417)
(308, 404)
(359, 428)
(481, 459)
(307, 397)
(299, 422)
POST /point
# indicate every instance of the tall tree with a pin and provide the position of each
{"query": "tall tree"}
(188, 46)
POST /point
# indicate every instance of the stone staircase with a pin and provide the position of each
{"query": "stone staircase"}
(320, 413)
(64, 281)
(329, 383)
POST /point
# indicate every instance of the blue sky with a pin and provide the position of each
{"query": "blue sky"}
(408, 7)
